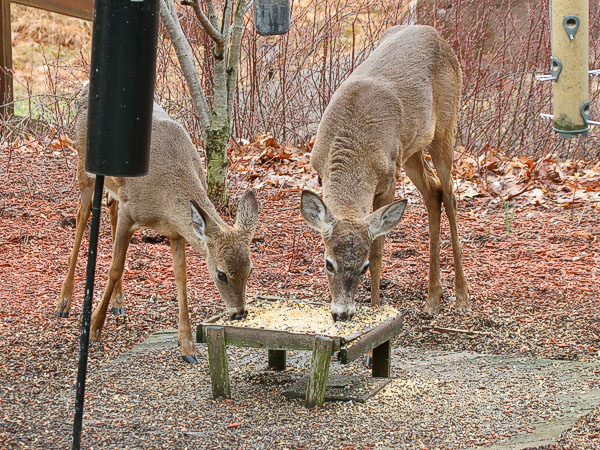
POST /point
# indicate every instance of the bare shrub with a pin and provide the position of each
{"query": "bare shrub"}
(285, 82)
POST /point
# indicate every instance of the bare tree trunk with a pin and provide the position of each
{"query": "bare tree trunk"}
(226, 53)
(217, 137)
(234, 55)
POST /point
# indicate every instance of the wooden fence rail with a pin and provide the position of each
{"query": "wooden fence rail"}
(82, 9)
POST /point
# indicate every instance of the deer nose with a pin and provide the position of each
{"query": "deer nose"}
(342, 317)
(242, 313)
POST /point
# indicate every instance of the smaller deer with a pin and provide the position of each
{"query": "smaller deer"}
(172, 200)
(402, 99)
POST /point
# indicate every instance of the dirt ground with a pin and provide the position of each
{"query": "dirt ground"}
(535, 293)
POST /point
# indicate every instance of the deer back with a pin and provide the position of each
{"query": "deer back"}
(383, 113)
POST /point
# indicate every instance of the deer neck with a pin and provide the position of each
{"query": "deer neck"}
(349, 188)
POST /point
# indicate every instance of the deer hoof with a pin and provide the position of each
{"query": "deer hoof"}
(61, 314)
(191, 359)
(432, 308)
(118, 311)
(463, 306)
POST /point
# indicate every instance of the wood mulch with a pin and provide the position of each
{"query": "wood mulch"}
(535, 290)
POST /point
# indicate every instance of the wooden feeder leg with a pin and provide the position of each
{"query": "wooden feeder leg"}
(217, 360)
(277, 359)
(382, 358)
(319, 371)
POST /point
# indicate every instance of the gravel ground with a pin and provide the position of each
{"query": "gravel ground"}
(149, 399)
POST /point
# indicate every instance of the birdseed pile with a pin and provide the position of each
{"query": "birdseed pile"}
(309, 318)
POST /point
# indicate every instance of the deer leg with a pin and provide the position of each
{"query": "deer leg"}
(375, 255)
(184, 328)
(376, 250)
(117, 304)
(122, 238)
(63, 306)
(428, 184)
(442, 156)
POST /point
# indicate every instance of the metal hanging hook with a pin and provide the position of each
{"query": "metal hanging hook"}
(555, 70)
(585, 113)
(571, 25)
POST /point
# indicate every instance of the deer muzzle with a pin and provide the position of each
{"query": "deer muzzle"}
(238, 313)
(342, 312)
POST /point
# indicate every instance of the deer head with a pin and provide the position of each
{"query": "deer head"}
(227, 251)
(347, 243)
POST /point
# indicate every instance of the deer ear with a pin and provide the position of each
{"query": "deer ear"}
(385, 218)
(247, 215)
(201, 222)
(314, 212)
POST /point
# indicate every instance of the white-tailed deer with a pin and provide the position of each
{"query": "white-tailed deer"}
(172, 200)
(402, 99)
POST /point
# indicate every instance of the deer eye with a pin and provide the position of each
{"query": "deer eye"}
(329, 266)
(364, 269)
(222, 276)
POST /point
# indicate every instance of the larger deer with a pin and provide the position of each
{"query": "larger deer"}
(402, 99)
(172, 200)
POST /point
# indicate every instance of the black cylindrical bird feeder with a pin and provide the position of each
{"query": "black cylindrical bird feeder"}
(122, 76)
(272, 17)
(121, 94)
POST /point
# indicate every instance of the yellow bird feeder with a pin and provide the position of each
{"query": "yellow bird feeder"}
(569, 71)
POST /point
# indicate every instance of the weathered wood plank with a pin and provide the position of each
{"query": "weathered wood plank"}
(82, 9)
(382, 359)
(200, 338)
(6, 83)
(260, 338)
(277, 359)
(272, 339)
(372, 339)
(319, 371)
(217, 360)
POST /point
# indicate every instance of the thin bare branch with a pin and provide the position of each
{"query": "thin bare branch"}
(185, 56)
(246, 9)
(226, 18)
(212, 14)
(234, 55)
(456, 331)
(205, 22)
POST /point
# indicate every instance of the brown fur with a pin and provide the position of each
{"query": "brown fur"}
(402, 99)
(161, 201)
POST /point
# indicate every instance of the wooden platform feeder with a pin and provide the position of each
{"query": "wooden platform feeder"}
(345, 348)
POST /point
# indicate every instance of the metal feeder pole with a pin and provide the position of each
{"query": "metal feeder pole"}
(121, 94)
(87, 311)
(569, 30)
